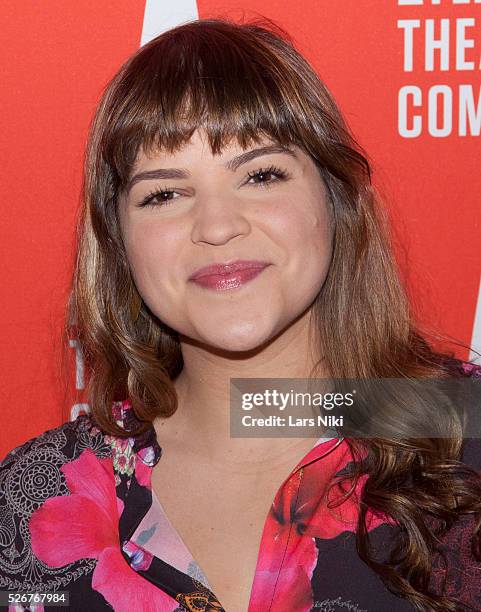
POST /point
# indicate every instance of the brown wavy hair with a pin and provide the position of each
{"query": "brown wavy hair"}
(242, 81)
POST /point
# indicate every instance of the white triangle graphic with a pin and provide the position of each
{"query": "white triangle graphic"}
(162, 15)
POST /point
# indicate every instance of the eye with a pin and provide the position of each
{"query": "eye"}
(263, 176)
(158, 197)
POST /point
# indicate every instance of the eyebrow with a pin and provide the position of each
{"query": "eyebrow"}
(232, 164)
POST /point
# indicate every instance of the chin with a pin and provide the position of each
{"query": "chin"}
(237, 338)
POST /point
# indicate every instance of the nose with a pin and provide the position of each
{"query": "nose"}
(218, 219)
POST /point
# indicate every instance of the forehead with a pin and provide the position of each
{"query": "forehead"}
(199, 145)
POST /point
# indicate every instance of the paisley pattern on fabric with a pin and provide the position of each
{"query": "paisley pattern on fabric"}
(29, 475)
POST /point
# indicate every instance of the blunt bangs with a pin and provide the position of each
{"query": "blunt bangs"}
(191, 78)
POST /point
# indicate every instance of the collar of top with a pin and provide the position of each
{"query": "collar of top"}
(145, 445)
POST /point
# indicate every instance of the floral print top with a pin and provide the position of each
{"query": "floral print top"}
(78, 514)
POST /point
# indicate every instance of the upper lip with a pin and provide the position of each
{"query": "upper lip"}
(228, 267)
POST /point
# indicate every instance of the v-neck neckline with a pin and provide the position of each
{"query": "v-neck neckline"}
(190, 592)
(156, 525)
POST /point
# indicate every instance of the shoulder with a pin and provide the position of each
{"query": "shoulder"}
(45, 454)
(30, 474)
(59, 444)
(456, 571)
(468, 375)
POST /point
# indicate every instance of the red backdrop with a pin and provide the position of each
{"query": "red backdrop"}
(57, 58)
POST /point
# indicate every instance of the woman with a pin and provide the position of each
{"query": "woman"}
(217, 145)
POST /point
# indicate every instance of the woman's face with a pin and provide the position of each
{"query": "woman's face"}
(219, 209)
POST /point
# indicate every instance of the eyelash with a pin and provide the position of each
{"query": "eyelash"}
(274, 170)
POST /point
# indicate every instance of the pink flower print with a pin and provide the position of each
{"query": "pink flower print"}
(318, 520)
(123, 454)
(140, 559)
(122, 463)
(143, 474)
(298, 515)
(284, 568)
(471, 368)
(85, 524)
(117, 411)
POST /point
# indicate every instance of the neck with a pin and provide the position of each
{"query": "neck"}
(203, 390)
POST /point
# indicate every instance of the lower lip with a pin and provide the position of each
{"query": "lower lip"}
(224, 282)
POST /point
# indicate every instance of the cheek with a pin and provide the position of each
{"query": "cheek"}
(303, 228)
(303, 234)
(151, 250)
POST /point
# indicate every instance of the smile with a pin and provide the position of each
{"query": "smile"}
(230, 280)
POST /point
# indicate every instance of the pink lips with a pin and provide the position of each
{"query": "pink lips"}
(221, 277)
